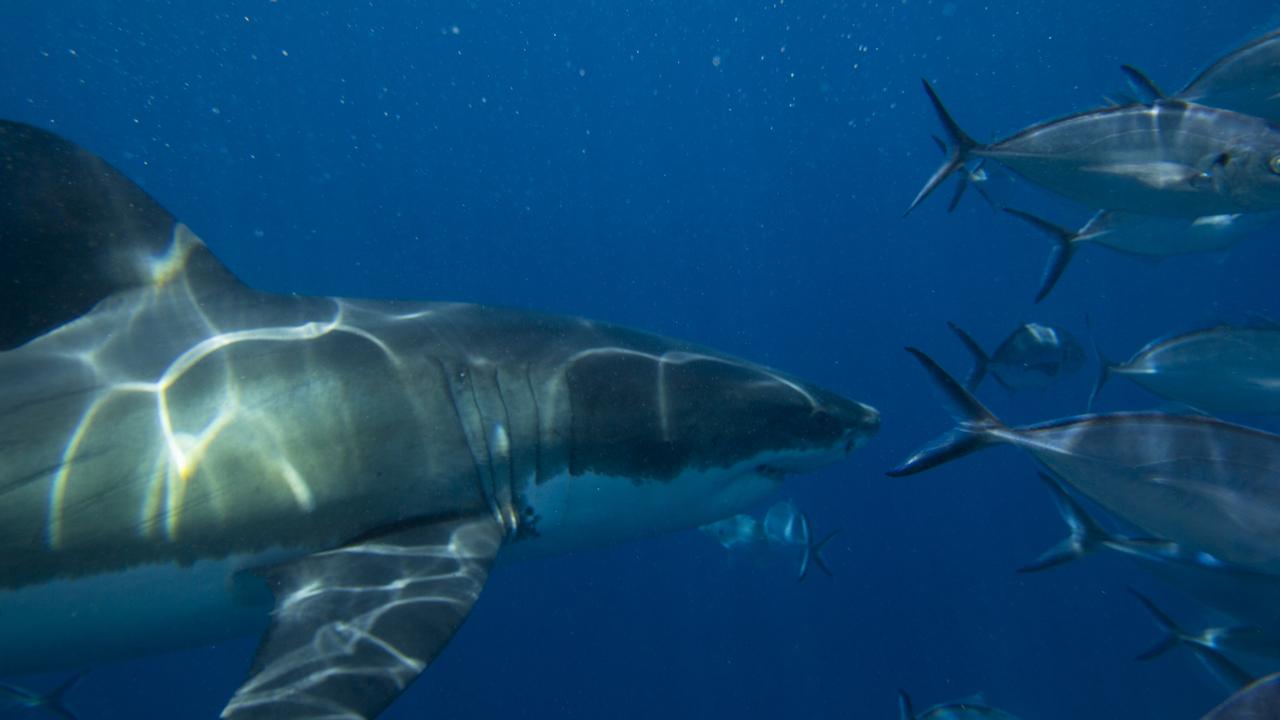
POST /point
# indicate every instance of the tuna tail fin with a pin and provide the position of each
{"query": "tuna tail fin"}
(980, 358)
(813, 551)
(1063, 250)
(1105, 366)
(1145, 86)
(53, 701)
(905, 711)
(962, 184)
(50, 702)
(975, 425)
(1086, 534)
(959, 193)
(1225, 671)
(961, 146)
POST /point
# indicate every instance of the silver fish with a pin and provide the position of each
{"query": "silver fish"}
(1249, 597)
(784, 526)
(1258, 701)
(1153, 236)
(21, 699)
(1205, 484)
(1033, 357)
(1246, 80)
(1226, 672)
(972, 709)
(1167, 158)
(1223, 369)
(741, 530)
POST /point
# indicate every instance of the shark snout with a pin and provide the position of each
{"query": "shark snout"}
(860, 422)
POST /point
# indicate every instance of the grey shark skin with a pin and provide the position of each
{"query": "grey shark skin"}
(1167, 158)
(1207, 485)
(179, 451)
(1222, 369)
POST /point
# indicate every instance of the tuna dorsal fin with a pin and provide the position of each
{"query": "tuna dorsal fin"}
(1144, 85)
(74, 231)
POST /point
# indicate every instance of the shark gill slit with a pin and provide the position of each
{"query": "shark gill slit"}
(538, 476)
(447, 376)
(505, 493)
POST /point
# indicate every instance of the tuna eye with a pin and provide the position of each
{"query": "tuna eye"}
(1274, 164)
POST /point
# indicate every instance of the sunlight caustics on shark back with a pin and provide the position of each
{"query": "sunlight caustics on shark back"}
(364, 461)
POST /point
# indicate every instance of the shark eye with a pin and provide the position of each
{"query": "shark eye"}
(1274, 164)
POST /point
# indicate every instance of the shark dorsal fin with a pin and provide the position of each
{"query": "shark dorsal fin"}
(74, 231)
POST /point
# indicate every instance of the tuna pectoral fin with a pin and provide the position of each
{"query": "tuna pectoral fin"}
(961, 145)
(352, 627)
(975, 424)
(1162, 175)
(1063, 250)
(980, 358)
(1086, 534)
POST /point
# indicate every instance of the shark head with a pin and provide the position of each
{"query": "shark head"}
(660, 440)
(164, 426)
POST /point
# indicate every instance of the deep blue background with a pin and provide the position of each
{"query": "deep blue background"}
(730, 172)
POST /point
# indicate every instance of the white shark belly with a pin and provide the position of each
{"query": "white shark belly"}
(73, 623)
(591, 510)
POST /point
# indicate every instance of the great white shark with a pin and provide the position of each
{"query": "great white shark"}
(185, 458)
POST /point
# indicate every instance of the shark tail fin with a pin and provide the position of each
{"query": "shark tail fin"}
(905, 711)
(980, 358)
(813, 551)
(1063, 250)
(961, 146)
(1105, 366)
(975, 428)
(1086, 534)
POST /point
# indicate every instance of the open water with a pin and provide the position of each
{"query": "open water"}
(732, 173)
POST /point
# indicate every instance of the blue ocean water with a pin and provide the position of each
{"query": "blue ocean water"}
(732, 173)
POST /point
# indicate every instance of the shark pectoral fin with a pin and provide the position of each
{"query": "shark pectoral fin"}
(353, 627)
